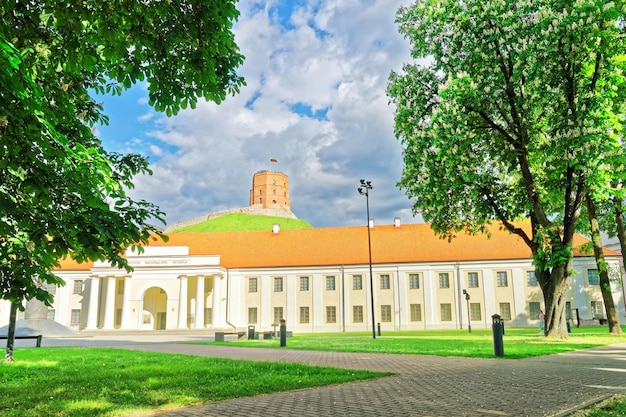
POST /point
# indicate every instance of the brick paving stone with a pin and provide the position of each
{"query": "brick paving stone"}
(552, 385)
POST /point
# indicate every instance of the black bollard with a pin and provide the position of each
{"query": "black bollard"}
(283, 333)
(379, 329)
(497, 327)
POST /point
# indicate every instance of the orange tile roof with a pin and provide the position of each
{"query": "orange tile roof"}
(347, 246)
(69, 264)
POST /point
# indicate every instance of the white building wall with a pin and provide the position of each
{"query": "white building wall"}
(232, 299)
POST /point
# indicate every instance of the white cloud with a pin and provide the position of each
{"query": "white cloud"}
(146, 116)
(334, 57)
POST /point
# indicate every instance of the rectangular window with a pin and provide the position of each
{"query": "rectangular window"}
(475, 312)
(533, 310)
(385, 313)
(253, 285)
(304, 283)
(278, 284)
(414, 281)
(51, 314)
(472, 279)
(568, 310)
(278, 314)
(75, 318)
(384, 282)
(357, 314)
(597, 309)
(531, 278)
(416, 312)
(357, 282)
(304, 314)
(505, 311)
(592, 277)
(502, 279)
(120, 286)
(252, 315)
(444, 280)
(446, 312)
(118, 317)
(208, 315)
(78, 286)
(330, 283)
(331, 314)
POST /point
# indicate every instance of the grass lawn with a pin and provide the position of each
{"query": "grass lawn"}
(613, 407)
(86, 382)
(518, 342)
(241, 221)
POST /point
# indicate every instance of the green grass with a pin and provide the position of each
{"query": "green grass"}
(85, 382)
(518, 342)
(613, 407)
(244, 222)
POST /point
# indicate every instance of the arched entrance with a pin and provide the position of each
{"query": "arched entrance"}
(154, 309)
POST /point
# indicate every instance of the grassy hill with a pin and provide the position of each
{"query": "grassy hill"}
(240, 221)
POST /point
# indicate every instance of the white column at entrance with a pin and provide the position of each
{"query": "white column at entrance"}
(92, 307)
(126, 304)
(109, 304)
(199, 321)
(217, 301)
(182, 302)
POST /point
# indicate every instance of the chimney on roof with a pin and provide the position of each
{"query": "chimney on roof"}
(371, 223)
(276, 228)
(396, 222)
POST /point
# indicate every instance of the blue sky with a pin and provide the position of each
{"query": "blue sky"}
(315, 100)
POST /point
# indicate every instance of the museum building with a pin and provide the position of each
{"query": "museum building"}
(318, 280)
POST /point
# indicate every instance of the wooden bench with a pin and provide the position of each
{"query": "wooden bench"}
(38, 337)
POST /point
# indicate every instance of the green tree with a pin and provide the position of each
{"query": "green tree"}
(603, 270)
(506, 115)
(61, 193)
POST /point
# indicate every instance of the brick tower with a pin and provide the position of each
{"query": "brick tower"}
(270, 189)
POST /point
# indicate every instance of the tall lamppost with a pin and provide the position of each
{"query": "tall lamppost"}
(469, 322)
(364, 190)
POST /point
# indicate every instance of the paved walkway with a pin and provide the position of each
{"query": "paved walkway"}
(554, 385)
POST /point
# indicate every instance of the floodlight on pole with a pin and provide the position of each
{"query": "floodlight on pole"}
(364, 190)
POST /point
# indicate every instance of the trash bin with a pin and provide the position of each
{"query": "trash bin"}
(283, 333)
(251, 332)
(497, 327)
(219, 336)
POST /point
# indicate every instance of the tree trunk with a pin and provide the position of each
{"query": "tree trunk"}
(11, 333)
(621, 235)
(553, 284)
(605, 285)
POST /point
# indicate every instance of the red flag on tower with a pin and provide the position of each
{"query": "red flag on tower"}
(273, 160)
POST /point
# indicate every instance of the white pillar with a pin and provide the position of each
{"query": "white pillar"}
(109, 304)
(217, 302)
(199, 320)
(92, 307)
(126, 305)
(182, 302)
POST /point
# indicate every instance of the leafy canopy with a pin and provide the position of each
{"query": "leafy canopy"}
(513, 112)
(61, 192)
